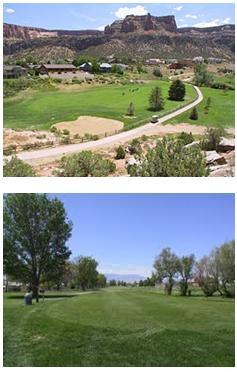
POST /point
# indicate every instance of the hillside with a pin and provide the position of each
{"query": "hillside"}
(136, 36)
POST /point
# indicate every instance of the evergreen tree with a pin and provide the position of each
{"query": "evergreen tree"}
(156, 100)
(177, 91)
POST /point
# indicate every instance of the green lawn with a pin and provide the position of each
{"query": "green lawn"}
(41, 109)
(221, 112)
(119, 327)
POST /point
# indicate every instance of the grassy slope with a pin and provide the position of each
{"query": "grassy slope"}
(39, 110)
(221, 113)
(128, 327)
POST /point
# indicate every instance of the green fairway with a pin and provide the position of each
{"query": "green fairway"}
(119, 327)
(220, 114)
(41, 109)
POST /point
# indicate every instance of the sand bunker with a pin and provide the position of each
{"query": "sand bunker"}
(92, 125)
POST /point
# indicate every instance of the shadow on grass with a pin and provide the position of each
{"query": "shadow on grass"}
(60, 295)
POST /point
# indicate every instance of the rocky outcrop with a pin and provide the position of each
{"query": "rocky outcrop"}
(213, 158)
(145, 23)
(29, 33)
(226, 144)
(136, 37)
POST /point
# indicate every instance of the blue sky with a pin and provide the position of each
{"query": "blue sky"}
(96, 16)
(124, 232)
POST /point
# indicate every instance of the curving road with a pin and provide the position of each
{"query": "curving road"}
(56, 152)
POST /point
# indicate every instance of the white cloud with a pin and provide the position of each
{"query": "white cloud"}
(9, 11)
(101, 28)
(178, 8)
(190, 16)
(137, 10)
(185, 25)
(226, 20)
(213, 23)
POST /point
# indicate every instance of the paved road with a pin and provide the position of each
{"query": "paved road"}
(56, 152)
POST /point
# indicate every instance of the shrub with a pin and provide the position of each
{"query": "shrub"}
(194, 114)
(9, 150)
(120, 153)
(17, 168)
(186, 138)
(177, 90)
(212, 139)
(144, 138)
(135, 147)
(66, 132)
(171, 159)
(53, 129)
(85, 164)
(65, 140)
(157, 72)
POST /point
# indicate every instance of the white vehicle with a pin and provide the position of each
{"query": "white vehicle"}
(154, 119)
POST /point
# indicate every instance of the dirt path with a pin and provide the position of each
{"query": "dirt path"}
(148, 129)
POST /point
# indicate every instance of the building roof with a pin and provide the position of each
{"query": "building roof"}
(12, 67)
(58, 66)
(105, 65)
(86, 64)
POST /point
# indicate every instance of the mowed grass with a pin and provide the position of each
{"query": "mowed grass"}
(41, 109)
(120, 327)
(221, 113)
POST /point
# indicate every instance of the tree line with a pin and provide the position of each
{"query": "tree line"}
(213, 273)
(35, 234)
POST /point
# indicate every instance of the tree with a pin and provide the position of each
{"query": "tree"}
(131, 109)
(112, 283)
(186, 264)
(171, 159)
(157, 72)
(156, 100)
(166, 266)
(207, 106)
(17, 168)
(216, 272)
(85, 164)
(86, 273)
(35, 232)
(177, 90)
(225, 258)
(120, 153)
(101, 281)
(202, 76)
(194, 114)
(207, 281)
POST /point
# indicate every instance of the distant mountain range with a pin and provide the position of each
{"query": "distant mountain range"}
(135, 36)
(128, 278)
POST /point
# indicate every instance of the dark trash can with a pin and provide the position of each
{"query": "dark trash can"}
(28, 299)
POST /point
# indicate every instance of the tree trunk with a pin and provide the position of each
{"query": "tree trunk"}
(35, 291)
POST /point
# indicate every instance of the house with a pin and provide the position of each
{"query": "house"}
(45, 69)
(13, 72)
(105, 67)
(198, 60)
(86, 67)
(214, 60)
(153, 61)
